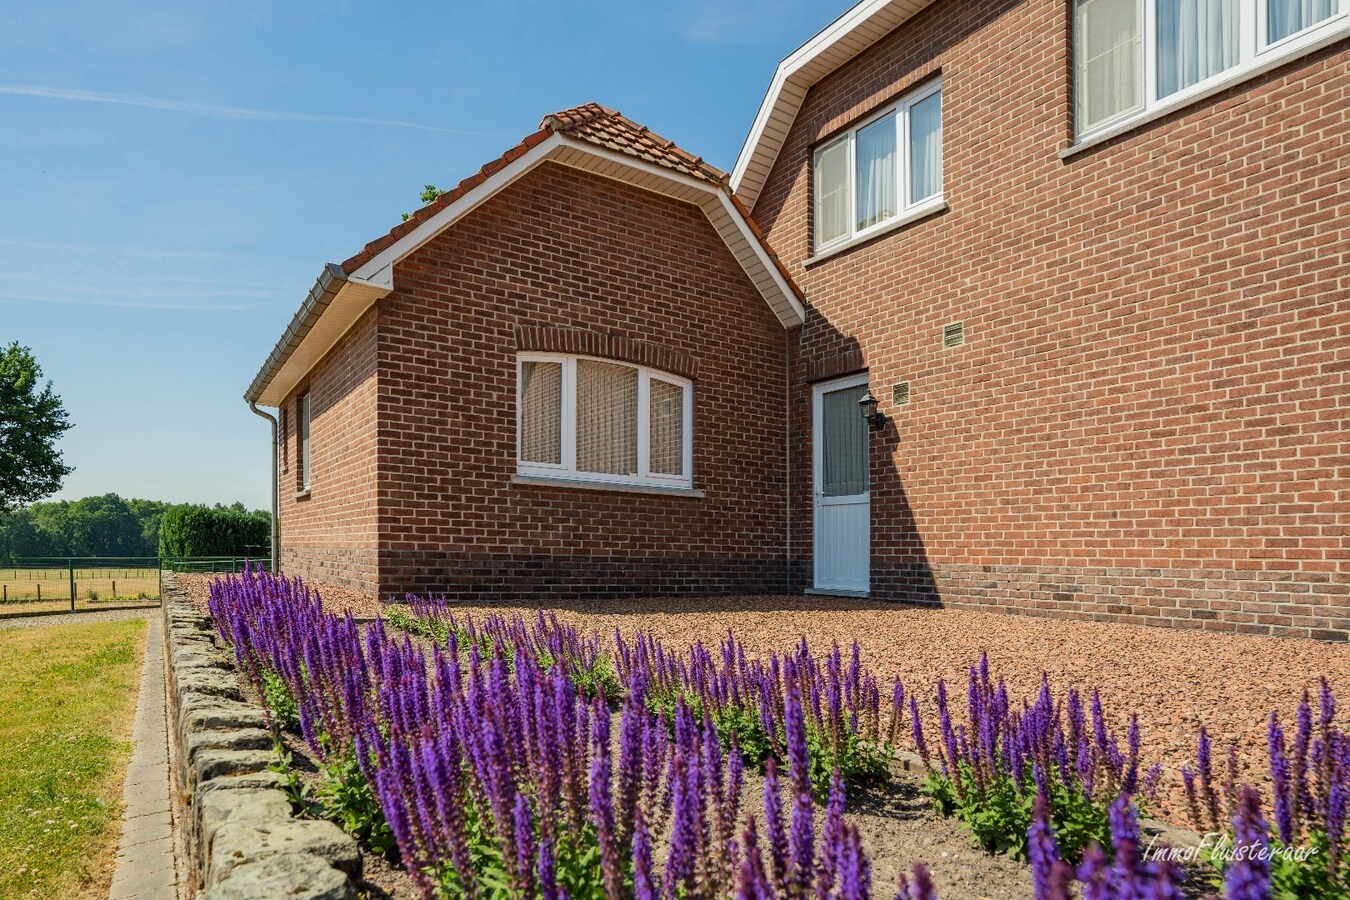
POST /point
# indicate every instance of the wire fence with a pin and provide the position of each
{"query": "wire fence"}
(74, 584)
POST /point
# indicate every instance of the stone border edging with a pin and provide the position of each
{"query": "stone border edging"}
(240, 836)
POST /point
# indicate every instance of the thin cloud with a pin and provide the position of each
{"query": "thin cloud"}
(212, 110)
(147, 302)
(121, 251)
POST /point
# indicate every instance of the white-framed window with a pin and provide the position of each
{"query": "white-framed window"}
(886, 168)
(589, 419)
(1132, 57)
(303, 422)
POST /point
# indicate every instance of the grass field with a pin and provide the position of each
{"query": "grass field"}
(26, 590)
(65, 718)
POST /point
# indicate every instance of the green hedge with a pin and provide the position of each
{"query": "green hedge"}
(194, 530)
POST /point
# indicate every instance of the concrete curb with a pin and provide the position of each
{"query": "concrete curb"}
(239, 835)
(146, 865)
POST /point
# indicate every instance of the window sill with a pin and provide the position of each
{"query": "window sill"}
(580, 484)
(302, 495)
(1275, 58)
(923, 211)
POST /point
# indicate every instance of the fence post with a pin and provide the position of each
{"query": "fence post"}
(71, 564)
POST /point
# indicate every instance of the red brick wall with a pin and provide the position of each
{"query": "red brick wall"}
(329, 535)
(564, 249)
(1147, 420)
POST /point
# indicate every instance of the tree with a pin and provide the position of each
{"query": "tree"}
(429, 194)
(31, 420)
(111, 526)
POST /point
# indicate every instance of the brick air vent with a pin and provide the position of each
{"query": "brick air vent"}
(900, 393)
(954, 335)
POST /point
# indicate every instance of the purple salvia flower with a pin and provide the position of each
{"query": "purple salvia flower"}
(644, 886)
(831, 838)
(1152, 778)
(1279, 776)
(630, 766)
(897, 710)
(684, 852)
(525, 849)
(752, 883)
(1130, 782)
(1248, 876)
(1337, 800)
(855, 872)
(919, 886)
(602, 817)
(779, 853)
(1125, 842)
(1205, 770)
(803, 828)
(1230, 784)
(1303, 806)
(1327, 704)
(1093, 873)
(916, 730)
(547, 868)
(1050, 875)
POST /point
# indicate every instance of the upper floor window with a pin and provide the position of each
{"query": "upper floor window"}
(1134, 55)
(596, 420)
(888, 166)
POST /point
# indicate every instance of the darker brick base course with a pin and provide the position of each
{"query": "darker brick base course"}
(346, 567)
(483, 577)
(1246, 601)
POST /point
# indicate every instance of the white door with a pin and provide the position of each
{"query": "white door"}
(843, 508)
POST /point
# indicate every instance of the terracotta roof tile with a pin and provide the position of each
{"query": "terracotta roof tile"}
(607, 128)
(592, 123)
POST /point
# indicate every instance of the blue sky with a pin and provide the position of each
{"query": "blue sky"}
(176, 174)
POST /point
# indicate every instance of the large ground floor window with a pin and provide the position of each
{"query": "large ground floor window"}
(599, 420)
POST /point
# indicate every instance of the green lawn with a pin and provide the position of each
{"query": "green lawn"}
(67, 700)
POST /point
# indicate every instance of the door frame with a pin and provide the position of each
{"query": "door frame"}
(819, 389)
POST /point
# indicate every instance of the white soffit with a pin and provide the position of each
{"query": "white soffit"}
(842, 40)
(347, 306)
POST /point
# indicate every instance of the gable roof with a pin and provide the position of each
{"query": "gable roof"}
(589, 137)
(838, 43)
(588, 122)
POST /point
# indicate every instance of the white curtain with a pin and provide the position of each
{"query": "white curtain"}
(843, 443)
(925, 148)
(832, 193)
(665, 405)
(1292, 16)
(1196, 39)
(606, 418)
(876, 172)
(541, 412)
(1109, 59)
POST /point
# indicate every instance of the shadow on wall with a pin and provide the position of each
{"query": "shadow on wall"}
(899, 568)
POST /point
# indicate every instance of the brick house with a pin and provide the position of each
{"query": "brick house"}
(1088, 259)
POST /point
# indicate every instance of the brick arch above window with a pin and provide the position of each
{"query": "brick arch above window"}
(554, 339)
(843, 362)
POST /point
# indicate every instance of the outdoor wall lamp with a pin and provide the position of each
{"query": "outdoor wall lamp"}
(868, 406)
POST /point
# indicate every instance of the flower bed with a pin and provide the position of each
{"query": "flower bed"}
(490, 760)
